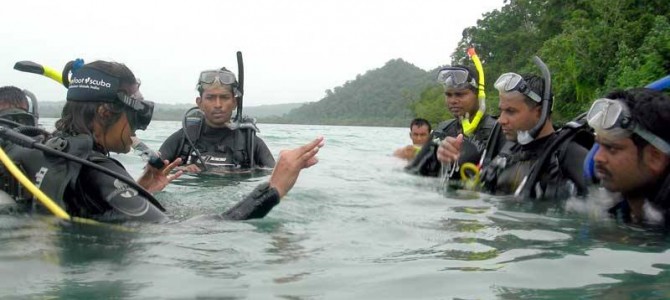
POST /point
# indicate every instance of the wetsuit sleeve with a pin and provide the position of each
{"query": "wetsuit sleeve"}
(572, 166)
(170, 148)
(124, 200)
(256, 205)
(262, 154)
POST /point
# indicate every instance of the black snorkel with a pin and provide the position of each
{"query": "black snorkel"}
(525, 137)
(240, 86)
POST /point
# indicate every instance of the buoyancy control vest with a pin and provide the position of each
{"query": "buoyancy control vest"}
(234, 149)
(425, 163)
(53, 174)
(10, 185)
(540, 169)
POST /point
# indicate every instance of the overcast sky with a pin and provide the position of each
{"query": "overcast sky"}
(293, 50)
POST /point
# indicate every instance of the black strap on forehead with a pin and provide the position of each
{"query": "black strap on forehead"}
(89, 84)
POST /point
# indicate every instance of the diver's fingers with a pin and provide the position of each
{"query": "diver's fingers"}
(174, 176)
(316, 143)
(309, 155)
(448, 152)
(312, 161)
(169, 166)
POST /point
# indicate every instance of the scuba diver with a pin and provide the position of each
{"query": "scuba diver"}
(17, 106)
(213, 141)
(633, 157)
(536, 161)
(103, 110)
(466, 100)
(18, 110)
(419, 132)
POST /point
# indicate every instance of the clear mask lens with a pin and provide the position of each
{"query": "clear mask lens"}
(454, 77)
(510, 82)
(223, 77)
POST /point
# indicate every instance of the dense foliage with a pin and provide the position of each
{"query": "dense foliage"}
(591, 47)
(379, 97)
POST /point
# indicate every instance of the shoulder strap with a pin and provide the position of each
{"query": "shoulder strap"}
(191, 132)
(558, 147)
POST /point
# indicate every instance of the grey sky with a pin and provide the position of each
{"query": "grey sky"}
(293, 50)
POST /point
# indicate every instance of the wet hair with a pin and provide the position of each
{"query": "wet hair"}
(649, 108)
(472, 74)
(420, 122)
(536, 84)
(78, 117)
(13, 97)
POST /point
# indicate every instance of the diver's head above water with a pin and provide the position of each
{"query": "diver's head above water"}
(218, 96)
(460, 90)
(631, 128)
(104, 101)
(16, 107)
(520, 105)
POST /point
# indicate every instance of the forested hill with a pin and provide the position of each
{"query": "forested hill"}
(591, 48)
(380, 97)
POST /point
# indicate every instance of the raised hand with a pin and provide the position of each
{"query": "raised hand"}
(291, 162)
(155, 180)
(450, 149)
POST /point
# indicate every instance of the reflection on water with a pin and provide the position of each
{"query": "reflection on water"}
(354, 227)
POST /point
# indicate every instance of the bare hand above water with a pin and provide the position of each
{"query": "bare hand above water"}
(450, 149)
(291, 162)
(155, 180)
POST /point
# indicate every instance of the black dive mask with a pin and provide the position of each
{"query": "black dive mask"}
(88, 84)
(140, 119)
(19, 116)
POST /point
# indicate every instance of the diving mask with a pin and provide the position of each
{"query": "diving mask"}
(612, 119)
(510, 82)
(19, 116)
(89, 84)
(455, 77)
(140, 117)
(223, 77)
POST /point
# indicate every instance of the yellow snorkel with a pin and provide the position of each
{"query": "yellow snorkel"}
(35, 68)
(469, 127)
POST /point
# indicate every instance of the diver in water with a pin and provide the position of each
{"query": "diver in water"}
(217, 142)
(466, 100)
(536, 161)
(17, 106)
(419, 132)
(633, 157)
(104, 108)
(18, 110)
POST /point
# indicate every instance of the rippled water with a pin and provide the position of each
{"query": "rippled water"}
(354, 227)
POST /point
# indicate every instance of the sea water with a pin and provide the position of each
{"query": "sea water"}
(355, 226)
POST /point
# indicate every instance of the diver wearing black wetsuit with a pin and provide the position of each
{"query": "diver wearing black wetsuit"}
(86, 192)
(219, 147)
(425, 163)
(561, 176)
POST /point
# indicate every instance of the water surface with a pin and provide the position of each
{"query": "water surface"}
(354, 227)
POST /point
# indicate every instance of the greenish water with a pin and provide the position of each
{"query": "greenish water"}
(354, 227)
